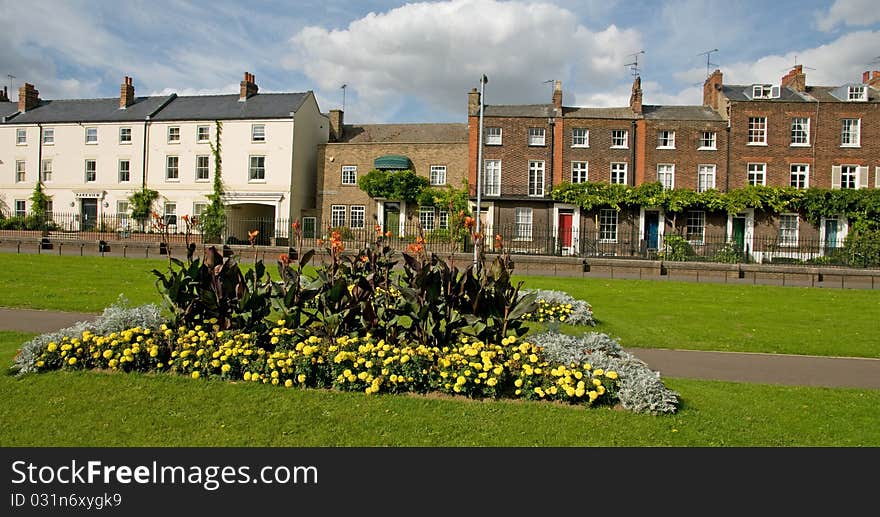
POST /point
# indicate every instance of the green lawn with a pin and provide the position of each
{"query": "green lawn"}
(116, 410)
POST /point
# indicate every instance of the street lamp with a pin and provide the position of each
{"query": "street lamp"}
(483, 81)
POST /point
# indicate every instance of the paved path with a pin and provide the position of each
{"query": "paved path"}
(795, 370)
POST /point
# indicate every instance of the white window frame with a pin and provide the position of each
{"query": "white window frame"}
(666, 139)
(172, 172)
(19, 208)
(337, 216)
(125, 135)
(46, 170)
(857, 93)
(537, 136)
(254, 170)
(493, 136)
(122, 212)
(357, 217)
(443, 219)
(426, 218)
(169, 213)
(206, 168)
(21, 136)
(523, 221)
(666, 175)
(695, 226)
(536, 178)
(199, 208)
(619, 135)
(349, 174)
(788, 234)
(608, 225)
(91, 131)
(199, 134)
(94, 170)
(849, 177)
(173, 134)
(706, 177)
(798, 170)
(258, 133)
(621, 168)
(438, 175)
(851, 132)
(48, 136)
(752, 172)
(580, 172)
(119, 170)
(20, 171)
(708, 141)
(757, 131)
(800, 132)
(580, 137)
(491, 170)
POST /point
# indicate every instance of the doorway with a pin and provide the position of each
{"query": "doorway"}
(652, 230)
(88, 214)
(391, 218)
(738, 233)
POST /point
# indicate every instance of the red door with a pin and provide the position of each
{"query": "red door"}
(565, 230)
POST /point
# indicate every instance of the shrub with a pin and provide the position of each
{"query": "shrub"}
(677, 249)
(557, 306)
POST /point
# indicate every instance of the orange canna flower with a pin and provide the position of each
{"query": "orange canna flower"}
(320, 242)
(185, 218)
(284, 258)
(388, 234)
(469, 222)
(295, 224)
(378, 230)
(253, 234)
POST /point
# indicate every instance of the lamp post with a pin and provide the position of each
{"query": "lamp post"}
(483, 81)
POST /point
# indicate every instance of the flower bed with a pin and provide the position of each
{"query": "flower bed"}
(557, 306)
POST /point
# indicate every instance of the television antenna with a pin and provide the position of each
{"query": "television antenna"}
(796, 64)
(343, 96)
(709, 64)
(550, 82)
(634, 66)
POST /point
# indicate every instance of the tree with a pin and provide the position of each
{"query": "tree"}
(39, 207)
(141, 203)
(401, 185)
(213, 220)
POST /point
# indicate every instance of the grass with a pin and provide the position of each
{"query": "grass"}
(643, 314)
(103, 409)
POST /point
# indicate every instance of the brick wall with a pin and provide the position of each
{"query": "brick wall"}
(599, 155)
(515, 153)
(686, 157)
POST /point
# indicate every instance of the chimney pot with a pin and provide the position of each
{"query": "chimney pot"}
(248, 87)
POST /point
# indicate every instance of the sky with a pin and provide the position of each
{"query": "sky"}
(415, 62)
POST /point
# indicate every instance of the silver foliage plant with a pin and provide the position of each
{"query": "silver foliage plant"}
(115, 318)
(641, 389)
(581, 311)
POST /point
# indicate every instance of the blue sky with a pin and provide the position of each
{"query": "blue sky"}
(415, 62)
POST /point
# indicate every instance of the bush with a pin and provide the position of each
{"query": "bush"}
(677, 249)
(557, 306)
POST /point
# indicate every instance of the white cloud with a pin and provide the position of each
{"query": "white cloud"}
(436, 52)
(849, 12)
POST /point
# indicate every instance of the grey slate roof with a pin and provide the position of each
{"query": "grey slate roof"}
(8, 108)
(88, 110)
(610, 113)
(680, 113)
(518, 110)
(228, 107)
(736, 92)
(405, 133)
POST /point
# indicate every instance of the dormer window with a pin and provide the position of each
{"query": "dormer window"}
(765, 91)
(857, 93)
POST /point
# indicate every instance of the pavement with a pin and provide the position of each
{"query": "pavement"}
(791, 370)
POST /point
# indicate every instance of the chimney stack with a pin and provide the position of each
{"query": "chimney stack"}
(635, 98)
(336, 125)
(795, 79)
(28, 97)
(711, 88)
(248, 87)
(4, 95)
(874, 81)
(126, 93)
(473, 102)
(557, 96)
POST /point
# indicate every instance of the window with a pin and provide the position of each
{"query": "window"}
(493, 136)
(46, 170)
(757, 173)
(203, 134)
(848, 176)
(765, 91)
(788, 230)
(174, 135)
(492, 178)
(608, 225)
(358, 216)
(170, 213)
(21, 136)
(203, 170)
(125, 135)
(199, 209)
(705, 177)
(438, 175)
(536, 136)
(665, 139)
(91, 171)
(696, 227)
(536, 178)
(91, 135)
(122, 215)
(849, 134)
(20, 171)
(349, 174)
(708, 140)
(523, 224)
(258, 133)
(757, 131)
(856, 93)
(20, 208)
(172, 168)
(800, 131)
(580, 137)
(443, 219)
(426, 218)
(48, 136)
(800, 174)
(124, 171)
(619, 139)
(579, 172)
(666, 175)
(337, 216)
(618, 173)
(257, 169)
(309, 227)
(50, 207)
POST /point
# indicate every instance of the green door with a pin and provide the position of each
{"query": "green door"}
(739, 232)
(392, 218)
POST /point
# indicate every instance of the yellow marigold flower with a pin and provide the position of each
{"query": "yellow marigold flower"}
(593, 396)
(517, 392)
(301, 378)
(611, 374)
(225, 368)
(274, 374)
(492, 381)
(600, 390)
(518, 383)
(113, 363)
(195, 375)
(460, 380)
(288, 383)
(71, 361)
(598, 372)
(597, 382)
(539, 392)
(247, 376)
(588, 366)
(533, 358)
(52, 347)
(40, 364)
(107, 354)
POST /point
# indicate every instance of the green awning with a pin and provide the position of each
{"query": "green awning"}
(392, 161)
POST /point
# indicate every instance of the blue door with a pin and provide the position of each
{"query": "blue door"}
(652, 230)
